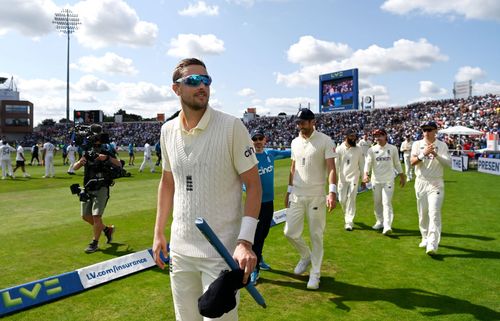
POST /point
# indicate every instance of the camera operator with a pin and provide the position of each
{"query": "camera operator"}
(97, 163)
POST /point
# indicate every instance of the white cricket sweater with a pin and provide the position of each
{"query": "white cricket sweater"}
(207, 185)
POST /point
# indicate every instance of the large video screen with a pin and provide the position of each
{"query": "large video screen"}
(88, 116)
(338, 91)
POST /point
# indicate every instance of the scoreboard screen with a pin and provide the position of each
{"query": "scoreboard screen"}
(88, 116)
(338, 91)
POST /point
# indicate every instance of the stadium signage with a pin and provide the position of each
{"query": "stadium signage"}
(488, 165)
(42, 291)
(456, 163)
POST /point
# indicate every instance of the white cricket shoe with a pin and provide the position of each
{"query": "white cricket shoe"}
(431, 251)
(313, 283)
(378, 226)
(302, 266)
(423, 243)
(348, 227)
(387, 231)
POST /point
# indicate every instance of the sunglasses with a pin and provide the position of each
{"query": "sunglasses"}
(195, 80)
(258, 138)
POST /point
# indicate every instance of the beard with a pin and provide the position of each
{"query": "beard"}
(351, 143)
(193, 104)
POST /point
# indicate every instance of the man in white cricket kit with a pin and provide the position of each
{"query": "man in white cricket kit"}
(365, 143)
(147, 158)
(48, 151)
(406, 150)
(349, 164)
(5, 151)
(72, 150)
(206, 156)
(312, 160)
(429, 156)
(382, 162)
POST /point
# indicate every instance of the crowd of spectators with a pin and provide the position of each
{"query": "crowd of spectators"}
(479, 112)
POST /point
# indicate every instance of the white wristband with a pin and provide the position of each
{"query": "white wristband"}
(248, 227)
(290, 189)
(332, 188)
(421, 156)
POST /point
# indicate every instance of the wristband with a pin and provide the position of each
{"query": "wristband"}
(332, 188)
(290, 189)
(421, 156)
(247, 229)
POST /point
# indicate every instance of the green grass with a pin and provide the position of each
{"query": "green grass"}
(365, 275)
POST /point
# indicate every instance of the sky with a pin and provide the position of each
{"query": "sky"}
(266, 54)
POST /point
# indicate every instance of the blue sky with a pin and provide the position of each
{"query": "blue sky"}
(266, 54)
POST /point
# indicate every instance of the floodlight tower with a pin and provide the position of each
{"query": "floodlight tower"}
(66, 22)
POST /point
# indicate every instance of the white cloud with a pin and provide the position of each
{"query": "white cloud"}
(246, 92)
(109, 63)
(40, 85)
(198, 9)
(191, 45)
(84, 98)
(477, 9)
(491, 87)
(288, 105)
(366, 88)
(469, 73)
(92, 83)
(30, 18)
(431, 89)
(245, 3)
(310, 51)
(404, 55)
(110, 22)
(143, 92)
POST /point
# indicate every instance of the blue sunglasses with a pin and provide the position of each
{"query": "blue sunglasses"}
(195, 80)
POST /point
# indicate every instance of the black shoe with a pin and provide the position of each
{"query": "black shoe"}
(108, 232)
(92, 247)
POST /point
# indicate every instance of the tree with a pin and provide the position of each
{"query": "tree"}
(48, 122)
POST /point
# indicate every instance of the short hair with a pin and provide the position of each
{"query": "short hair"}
(183, 64)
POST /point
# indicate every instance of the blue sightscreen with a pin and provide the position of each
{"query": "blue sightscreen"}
(338, 91)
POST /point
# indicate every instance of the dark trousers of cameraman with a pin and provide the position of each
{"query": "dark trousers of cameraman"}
(265, 218)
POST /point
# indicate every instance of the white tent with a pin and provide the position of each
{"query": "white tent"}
(460, 130)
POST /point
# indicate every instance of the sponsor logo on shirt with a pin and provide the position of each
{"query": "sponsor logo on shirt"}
(249, 151)
(266, 170)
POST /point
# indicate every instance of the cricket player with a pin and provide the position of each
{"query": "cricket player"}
(350, 163)
(312, 160)
(147, 158)
(48, 151)
(406, 150)
(206, 156)
(429, 156)
(5, 150)
(72, 150)
(382, 162)
(365, 143)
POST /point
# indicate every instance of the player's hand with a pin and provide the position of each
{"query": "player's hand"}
(246, 258)
(331, 201)
(159, 246)
(402, 180)
(102, 157)
(366, 179)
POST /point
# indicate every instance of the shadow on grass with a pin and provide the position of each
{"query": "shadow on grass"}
(405, 298)
(399, 232)
(116, 249)
(468, 253)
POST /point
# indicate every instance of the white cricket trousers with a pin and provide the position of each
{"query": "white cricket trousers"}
(382, 202)
(347, 198)
(314, 208)
(72, 162)
(190, 277)
(408, 168)
(430, 197)
(149, 161)
(49, 166)
(6, 167)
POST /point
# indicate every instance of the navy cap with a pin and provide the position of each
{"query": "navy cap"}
(305, 114)
(257, 132)
(350, 131)
(429, 124)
